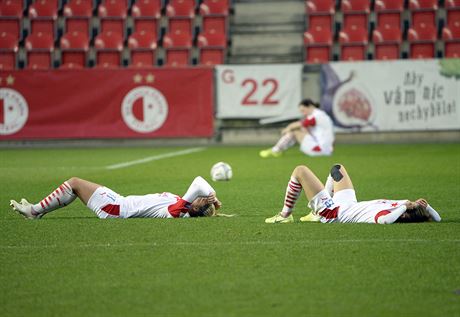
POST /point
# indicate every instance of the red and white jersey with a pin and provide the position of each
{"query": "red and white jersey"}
(164, 205)
(344, 207)
(321, 128)
(368, 211)
(108, 204)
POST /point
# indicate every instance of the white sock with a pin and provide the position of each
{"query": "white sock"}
(293, 191)
(61, 197)
(329, 185)
(284, 143)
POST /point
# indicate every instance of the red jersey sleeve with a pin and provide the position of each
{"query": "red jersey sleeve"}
(309, 122)
(181, 206)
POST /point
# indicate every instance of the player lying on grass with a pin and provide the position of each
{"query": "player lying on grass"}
(337, 202)
(199, 201)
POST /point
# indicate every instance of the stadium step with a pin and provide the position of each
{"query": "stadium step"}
(264, 59)
(267, 43)
(267, 31)
(269, 12)
(268, 28)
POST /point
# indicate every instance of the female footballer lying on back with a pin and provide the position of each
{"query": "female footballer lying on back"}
(199, 201)
(337, 202)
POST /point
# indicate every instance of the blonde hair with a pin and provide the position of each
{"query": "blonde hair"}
(210, 211)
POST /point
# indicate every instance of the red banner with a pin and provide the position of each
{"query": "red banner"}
(99, 103)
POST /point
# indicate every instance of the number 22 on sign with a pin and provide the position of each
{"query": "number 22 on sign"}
(255, 91)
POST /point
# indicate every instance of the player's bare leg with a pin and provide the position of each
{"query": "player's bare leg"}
(286, 141)
(340, 177)
(60, 197)
(302, 178)
(311, 185)
(82, 188)
(309, 181)
(300, 134)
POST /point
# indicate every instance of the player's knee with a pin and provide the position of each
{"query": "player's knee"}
(337, 172)
(300, 169)
(74, 181)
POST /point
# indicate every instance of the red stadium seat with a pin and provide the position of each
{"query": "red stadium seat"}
(17, 3)
(43, 16)
(318, 44)
(212, 47)
(74, 49)
(40, 47)
(177, 46)
(214, 7)
(109, 46)
(451, 37)
(452, 11)
(11, 18)
(355, 12)
(320, 13)
(142, 45)
(77, 15)
(423, 11)
(422, 39)
(146, 15)
(180, 15)
(214, 15)
(215, 23)
(112, 14)
(389, 13)
(320, 7)
(353, 44)
(8, 51)
(71, 66)
(55, 3)
(387, 43)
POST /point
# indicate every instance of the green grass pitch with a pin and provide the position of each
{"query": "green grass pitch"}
(72, 264)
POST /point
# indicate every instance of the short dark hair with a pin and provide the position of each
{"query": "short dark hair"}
(416, 214)
(308, 102)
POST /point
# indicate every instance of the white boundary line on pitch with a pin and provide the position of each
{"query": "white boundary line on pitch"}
(159, 244)
(154, 158)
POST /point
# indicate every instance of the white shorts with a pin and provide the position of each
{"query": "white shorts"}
(345, 198)
(105, 203)
(310, 146)
(323, 201)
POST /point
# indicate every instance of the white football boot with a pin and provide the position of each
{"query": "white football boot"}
(24, 208)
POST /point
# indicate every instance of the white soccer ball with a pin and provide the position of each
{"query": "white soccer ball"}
(221, 171)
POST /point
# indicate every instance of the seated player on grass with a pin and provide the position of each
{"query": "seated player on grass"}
(314, 133)
(337, 202)
(199, 201)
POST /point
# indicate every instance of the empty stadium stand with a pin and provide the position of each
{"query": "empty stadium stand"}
(208, 32)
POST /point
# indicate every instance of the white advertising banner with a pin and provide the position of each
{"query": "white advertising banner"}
(392, 95)
(259, 91)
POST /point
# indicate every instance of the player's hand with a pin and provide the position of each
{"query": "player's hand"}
(217, 204)
(422, 202)
(211, 199)
(411, 204)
